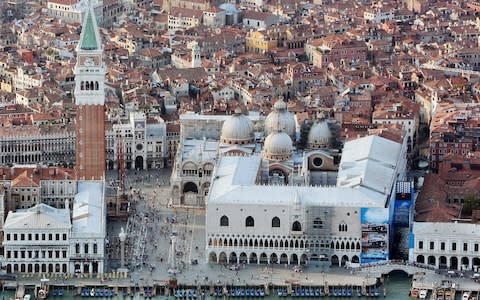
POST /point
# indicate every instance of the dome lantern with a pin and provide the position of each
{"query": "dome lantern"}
(280, 119)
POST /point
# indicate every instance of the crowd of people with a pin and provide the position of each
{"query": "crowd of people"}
(151, 223)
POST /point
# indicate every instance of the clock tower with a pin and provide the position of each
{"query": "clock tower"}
(89, 96)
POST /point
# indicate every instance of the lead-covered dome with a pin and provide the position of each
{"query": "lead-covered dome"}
(280, 119)
(238, 129)
(319, 135)
(278, 146)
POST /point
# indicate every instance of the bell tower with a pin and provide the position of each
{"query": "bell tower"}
(89, 100)
(196, 59)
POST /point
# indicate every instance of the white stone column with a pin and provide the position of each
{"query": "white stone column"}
(122, 236)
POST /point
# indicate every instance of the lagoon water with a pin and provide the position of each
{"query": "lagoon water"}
(397, 286)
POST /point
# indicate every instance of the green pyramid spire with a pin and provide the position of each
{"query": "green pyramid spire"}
(89, 40)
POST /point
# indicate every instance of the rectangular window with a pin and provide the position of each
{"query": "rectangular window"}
(454, 246)
(432, 245)
(442, 246)
(86, 248)
(77, 248)
(420, 245)
(465, 247)
(476, 247)
(64, 237)
(95, 248)
(57, 236)
(50, 236)
(8, 236)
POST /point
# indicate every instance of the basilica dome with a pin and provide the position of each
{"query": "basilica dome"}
(237, 129)
(280, 119)
(278, 146)
(319, 135)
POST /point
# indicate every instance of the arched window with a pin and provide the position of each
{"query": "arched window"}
(317, 223)
(276, 222)
(249, 222)
(224, 221)
(96, 85)
(296, 226)
(342, 227)
(82, 85)
(87, 85)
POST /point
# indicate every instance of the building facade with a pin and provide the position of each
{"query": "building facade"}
(89, 228)
(143, 143)
(197, 152)
(339, 51)
(446, 245)
(30, 144)
(74, 10)
(37, 240)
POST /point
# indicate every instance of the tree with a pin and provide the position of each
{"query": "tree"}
(470, 203)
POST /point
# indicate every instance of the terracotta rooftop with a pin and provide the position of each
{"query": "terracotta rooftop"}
(431, 204)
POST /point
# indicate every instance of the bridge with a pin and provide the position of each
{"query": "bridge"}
(379, 269)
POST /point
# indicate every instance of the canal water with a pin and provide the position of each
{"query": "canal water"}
(397, 286)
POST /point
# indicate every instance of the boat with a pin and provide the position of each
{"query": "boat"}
(414, 293)
(440, 294)
(450, 294)
(359, 292)
(423, 294)
(27, 297)
(92, 292)
(466, 296)
(42, 294)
